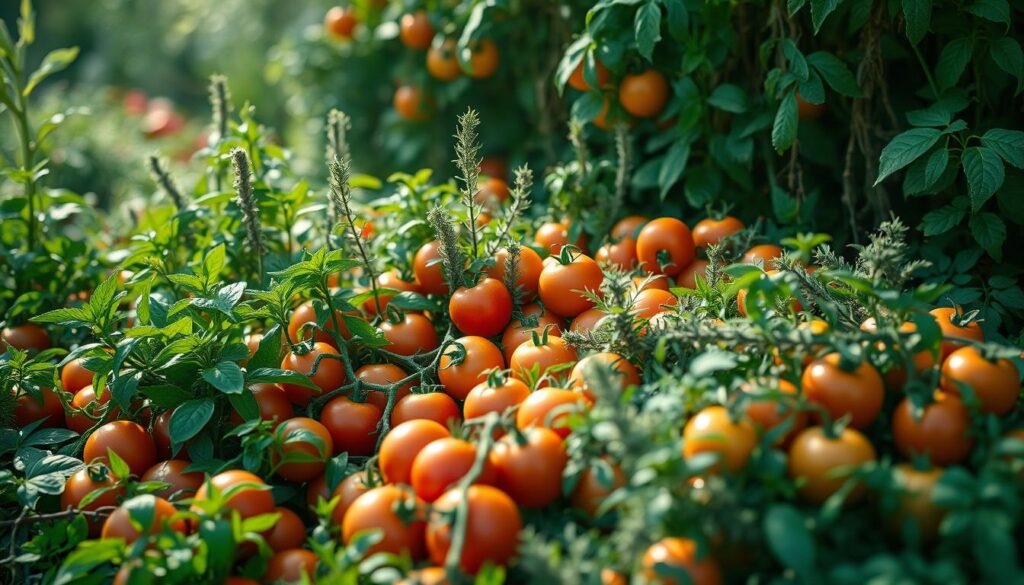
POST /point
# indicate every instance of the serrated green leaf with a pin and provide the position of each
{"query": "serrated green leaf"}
(904, 149)
(835, 73)
(936, 165)
(784, 127)
(953, 59)
(1007, 55)
(918, 14)
(672, 166)
(994, 10)
(678, 19)
(647, 28)
(820, 9)
(1008, 144)
(728, 97)
(985, 174)
(226, 376)
(989, 231)
(941, 220)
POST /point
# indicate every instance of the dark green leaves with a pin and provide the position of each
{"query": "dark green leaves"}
(820, 9)
(918, 14)
(784, 127)
(678, 19)
(53, 62)
(1007, 55)
(226, 377)
(952, 61)
(984, 172)
(990, 233)
(728, 97)
(904, 149)
(189, 419)
(792, 543)
(647, 27)
(835, 73)
(1008, 144)
(994, 10)
(673, 165)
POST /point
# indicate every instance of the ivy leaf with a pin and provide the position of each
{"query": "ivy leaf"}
(820, 9)
(952, 61)
(673, 165)
(984, 172)
(225, 376)
(1008, 144)
(190, 418)
(904, 149)
(784, 127)
(989, 231)
(994, 10)
(1007, 54)
(647, 27)
(728, 97)
(835, 73)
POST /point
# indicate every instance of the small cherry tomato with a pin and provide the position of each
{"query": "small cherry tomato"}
(483, 310)
(665, 246)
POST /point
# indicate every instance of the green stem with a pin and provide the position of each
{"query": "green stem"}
(927, 72)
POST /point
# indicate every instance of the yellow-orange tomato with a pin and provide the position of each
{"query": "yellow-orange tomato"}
(620, 254)
(492, 527)
(952, 326)
(560, 285)
(517, 334)
(587, 320)
(680, 554)
(411, 104)
(665, 246)
(648, 303)
(549, 354)
(711, 231)
(688, 277)
(995, 384)
(484, 399)
(762, 254)
(479, 356)
(579, 82)
(858, 393)
(816, 459)
(531, 473)
(375, 510)
(537, 409)
(622, 372)
(768, 412)
(713, 431)
(340, 22)
(443, 62)
(553, 235)
(400, 447)
(644, 95)
(483, 59)
(415, 30)
(942, 432)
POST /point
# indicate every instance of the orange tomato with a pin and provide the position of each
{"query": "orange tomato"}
(400, 447)
(681, 555)
(537, 409)
(480, 355)
(858, 393)
(942, 432)
(623, 373)
(492, 528)
(665, 246)
(711, 231)
(995, 384)
(375, 510)
(645, 94)
(712, 430)
(531, 473)
(816, 459)
(415, 30)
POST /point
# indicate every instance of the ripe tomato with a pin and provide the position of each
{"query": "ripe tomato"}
(665, 246)
(537, 409)
(492, 192)
(415, 30)
(483, 399)
(130, 441)
(494, 166)
(375, 510)
(340, 22)
(29, 408)
(483, 309)
(529, 269)
(411, 104)
(552, 356)
(250, 496)
(492, 528)
(414, 334)
(25, 337)
(272, 402)
(808, 111)
(442, 464)
(352, 425)
(84, 482)
(767, 411)
(762, 254)
(306, 313)
(347, 492)
(400, 447)
(531, 473)
(330, 373)
(859, 393)
(620, 254)
(162, 436)
(442, 61)
(953, 326)
(391, 280)
(560, 283)
(252, 341)
(86, 400)
(628, 227)
(74, 376)
(383, 375)
(426, 576)
(681, 555)
(688, 277)
(553, 235)
(816, 458)
(942, 432)
(434, 406)
(288, 532)
(916, 502)
(648, 303)
(516, 334)
(480, 356)
(896, 376)
(180, 484)
(579, 82)
(995, 384)
(592, 489)
(119, 523)
(644, 95)
(483, 59)
(428, 269)
(314, 456)
(712, 430)
(711, 231)
(587, 320)
(621, 370)
(289, 566)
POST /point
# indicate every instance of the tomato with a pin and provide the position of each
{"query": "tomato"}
(645, 94)
(74, 376)
(560, 285)
(628, 227)
(306, 313)
(130, 441)
(347, 492)
(817, 459)
(858, 393)
(620, 254)
(601, 119)
(391, 280)
(411, 104)
(162, 436)
(492, 528)
(25, 337)
(252, 341)
(289, 566)
(529, 268)
(896, 376)
(46, 404)
(415, 30)
(762, 254)
(588, 320)
(712, 430)
(711, 231)
(611, 577)
(375, 510)
(621, 370)
(314, 456)
(426, 576)
(330, 373)
(492, 192)
(688, 277)
(483, 399)
(250, 496)
(383, 375)
(995, 384)
(553, 235)
(272, 402)
(435, 406)
(680, 554)
(84, 482)
(428, 269)
(481, 310)
(340, 22)
(443, 62)
(808, 111)
(953, 325)
(665, 246)
(531, 473)
(648, 303)
(352, 425)
(119, 523)
(770, 407)
(516, 334)
(480, 356)
(550, 357)
(942, 432)
(180, 484)
(443, 463)
(915, 503)
(86, 400)
(288, 532)
(594, 487)
(413, 334)
(483, 59)
(537, 409)
(579, 82)
(400, 447)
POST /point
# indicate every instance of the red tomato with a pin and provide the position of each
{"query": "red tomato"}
(250, 496)
(352, 425)
(119, 523)
(435, 406)
(288, 532)
(650, 302)
(711, 231)
(483, 399)
(411, 104)
(942, 432)
(415, 30)
(384, 375)
(31, 408)
(347, 492)
(340, 22)
(130, 441)
(592, 490)
(628, 227)
(517, 334)
(87, 401)
(375, 510)
(414, 334)
(84, 482)
(528, 273)
(537, 409)
(688, 277)
(560, 285)
(314, 456)
(645, 94)
(531, 473)
(483, 309)
(401, 446)
(391, 280)
(858, 393)
(767, 411)
(492, 528)
(762, 254)
(442, 463)
(552, 356)
(579, 82)
(272, 402)
(623, 373)
(483, 59)
(818, 458)
(587, 320)
(620, 254)
(665, 246)
(480, 356)
(25, 337)
(289, 566)
(180, 484)
(330, 373)
(74, 376)
(552, 236)
(995, 384)
(306, 313)
(429, 271)
(680, 554)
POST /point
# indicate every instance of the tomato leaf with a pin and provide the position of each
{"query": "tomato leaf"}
(784, 127)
